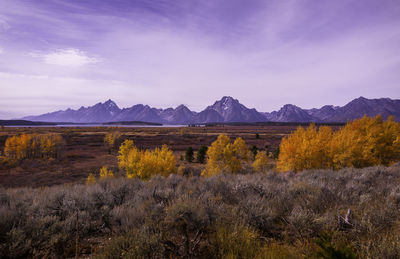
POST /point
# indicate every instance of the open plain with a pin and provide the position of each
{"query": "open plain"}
(86, 152)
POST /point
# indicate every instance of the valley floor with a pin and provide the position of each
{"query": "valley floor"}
(86, 151)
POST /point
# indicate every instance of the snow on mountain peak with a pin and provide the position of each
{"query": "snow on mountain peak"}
(110, 104)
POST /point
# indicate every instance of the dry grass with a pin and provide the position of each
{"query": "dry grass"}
(225, 216)
(86, 152)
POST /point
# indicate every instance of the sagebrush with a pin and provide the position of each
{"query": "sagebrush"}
(223, 216)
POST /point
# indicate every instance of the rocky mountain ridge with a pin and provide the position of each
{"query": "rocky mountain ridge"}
(225, 110)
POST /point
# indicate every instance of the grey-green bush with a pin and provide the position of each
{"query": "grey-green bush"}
(280, 215)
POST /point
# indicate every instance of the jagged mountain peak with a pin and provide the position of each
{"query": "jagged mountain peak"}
(361, 98)
(290, 107)
(226, 101)
(227, 109)
(110, 103)
(180, 114)
(322, 113)
(182, 107)
(231, 110)
(290, 113)
(366, 101)
(371, 107)
(228, 98)
(330, 107)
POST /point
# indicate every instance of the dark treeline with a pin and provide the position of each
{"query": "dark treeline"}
(274, 123)
(24, 123)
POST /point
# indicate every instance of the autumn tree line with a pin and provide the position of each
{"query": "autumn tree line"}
(32, 146)
(360, 143)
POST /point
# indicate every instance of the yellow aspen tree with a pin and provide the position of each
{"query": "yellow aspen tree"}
(234, 154)
(23, 146)
(321, 155)
(215, 156)
(386, 149)
(260, 164)
(167, 159)
(396, 150)
(240, 149)
(46, 146)
(123, 153)
(352, 145)
(145, 164)
(112, 139)
(231, 163)
(305, 149)
(148, 165)
(105, 173)
(10, 149)
(290, 148)
(91, 179)
(360, 143)
(131, 162)
(341, 148)
(225, 156)
(33, 146)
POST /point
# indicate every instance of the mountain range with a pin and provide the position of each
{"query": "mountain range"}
(225, 110)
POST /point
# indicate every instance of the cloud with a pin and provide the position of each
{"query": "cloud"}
(69, 58)
(265, 53)
(4, 26)
(49, 93)
(1, 50)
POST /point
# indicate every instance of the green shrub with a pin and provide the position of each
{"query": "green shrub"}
(201, 154)
(189, 154)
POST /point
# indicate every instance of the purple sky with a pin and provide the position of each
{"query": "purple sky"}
(67, 53)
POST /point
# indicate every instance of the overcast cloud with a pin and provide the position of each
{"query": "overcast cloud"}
(56, 54)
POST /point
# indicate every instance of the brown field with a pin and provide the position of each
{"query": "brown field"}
(349, 213)
(86, 152)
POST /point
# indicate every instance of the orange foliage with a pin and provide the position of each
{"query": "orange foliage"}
(361, 143)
